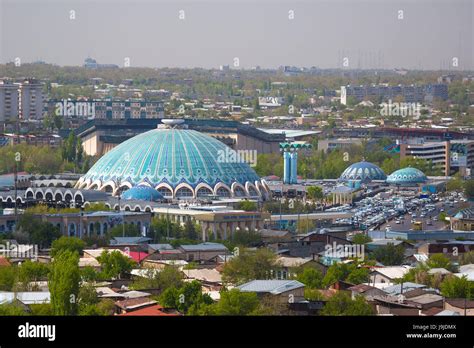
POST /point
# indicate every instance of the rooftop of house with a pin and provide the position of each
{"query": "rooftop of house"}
(361, 288)
(397, 289)
(392, 272)
(129, 240)
(460, 303)
(206, 246)
(439, 271)
(26, 297)
(160, 247)
(153, 310)
(203, 274)
(287, 261)
(274, 287)
(135, 303)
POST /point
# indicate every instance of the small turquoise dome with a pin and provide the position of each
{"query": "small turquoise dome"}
(407, 176)
(363, 171)
(142, 193)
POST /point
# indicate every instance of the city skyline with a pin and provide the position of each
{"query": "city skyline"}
(426, 35)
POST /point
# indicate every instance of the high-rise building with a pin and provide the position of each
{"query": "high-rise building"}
(31, 99)
(448, 156)
(8, 101)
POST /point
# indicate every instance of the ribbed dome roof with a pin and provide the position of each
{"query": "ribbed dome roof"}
(363, 171)
(173, 159)
(407, 175)
(142, 193)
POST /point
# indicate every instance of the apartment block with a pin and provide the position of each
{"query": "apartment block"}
(411, 94)
(449, 156)
(31, 99)
(107, 108)
(8, 101)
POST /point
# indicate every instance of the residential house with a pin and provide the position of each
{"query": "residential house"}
(286, 291)
(202, 252)
(387, 274)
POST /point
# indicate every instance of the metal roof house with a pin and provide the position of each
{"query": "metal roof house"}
(288, 291)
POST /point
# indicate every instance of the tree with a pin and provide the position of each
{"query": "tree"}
(118, 231)
(457, 287)
(39, 232)
(233, 302)
(114, 264)
(190, 230)
(467, 258)
(349, 272)
(455, 184)
(249, 265)
(315, 193)
(168, 277)
(30, 271)
(358, 276)
(58, 121)
(64, 243)
(12, 309)
(336, 272)
(247, 205)
(64, 283)
(341, 304)
(8, 276)
(89, 274)
(187, 298)
(361, 238)
(469, 188)
(311, 277)
(389, 255)
(440, 261)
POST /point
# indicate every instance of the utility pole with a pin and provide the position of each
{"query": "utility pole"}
(17, 159)
(118, 182)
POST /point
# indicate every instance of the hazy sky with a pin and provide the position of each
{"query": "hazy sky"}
(258, 32)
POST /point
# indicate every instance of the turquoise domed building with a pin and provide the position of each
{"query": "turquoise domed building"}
(407, 177)
(178, 163)
(142, 193)
(362, 171)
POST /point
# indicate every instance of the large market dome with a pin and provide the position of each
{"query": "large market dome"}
(363, 171)
(176, 162)
(407, 176)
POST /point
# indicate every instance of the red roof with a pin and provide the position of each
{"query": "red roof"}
(138, 256)
(155, 310)
(4, 261)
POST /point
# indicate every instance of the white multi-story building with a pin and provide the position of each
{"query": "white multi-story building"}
(31, 99)
(8, 101)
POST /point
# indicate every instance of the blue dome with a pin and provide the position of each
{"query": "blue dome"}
(142, 193)
(363, 171)
(176, 162)
(407, 176)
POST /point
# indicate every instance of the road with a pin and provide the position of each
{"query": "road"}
(406, 224)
